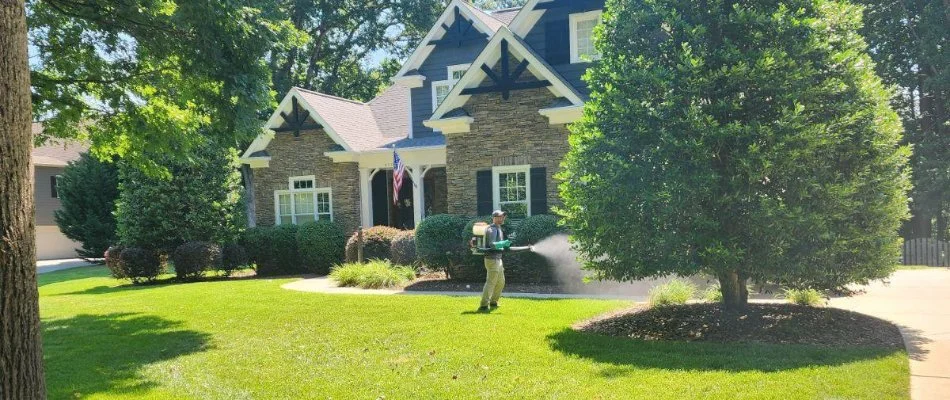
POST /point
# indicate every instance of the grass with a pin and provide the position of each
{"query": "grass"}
(676, 291)
(249, 338)
(374, 274)
(804, 297)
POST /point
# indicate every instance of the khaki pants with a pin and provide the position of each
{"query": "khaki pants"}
(495, 281)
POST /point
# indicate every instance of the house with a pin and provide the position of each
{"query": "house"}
(49, 160)
(477, 113)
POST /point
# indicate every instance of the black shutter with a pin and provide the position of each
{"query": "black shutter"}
(557, 42)
(483, 192)
(52, 187)
(539, 191)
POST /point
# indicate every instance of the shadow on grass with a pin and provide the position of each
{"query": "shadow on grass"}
(628, 354)
(89, 354)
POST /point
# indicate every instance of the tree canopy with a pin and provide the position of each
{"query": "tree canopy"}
(749, 139)
(143, 79)
(910, 42)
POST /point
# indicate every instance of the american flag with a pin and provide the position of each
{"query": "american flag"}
(398, 170)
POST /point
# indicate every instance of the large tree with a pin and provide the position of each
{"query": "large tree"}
(21, 358)
(910, 42)
(151, 78)
(748, 139)
(347, 48)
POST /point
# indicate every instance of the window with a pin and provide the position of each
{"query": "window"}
(302, 202)
(512, 190)
(582, 36)
(54, 185)
(441, 89)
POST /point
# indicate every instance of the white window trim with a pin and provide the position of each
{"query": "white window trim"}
(447, 81)
(574, 20)
(457, 67)
(293, 207)
(496, 192)
(290, 181)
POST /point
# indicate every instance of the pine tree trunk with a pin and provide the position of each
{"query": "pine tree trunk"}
(21, 359)
(734, 293)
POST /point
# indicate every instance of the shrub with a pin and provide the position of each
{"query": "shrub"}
(441, 242)
(192, 259)
(114, 261)
(233, 256)
(676, 291)
(713, 294)
(199, 200)
(377, 242)
(273, 249)
(87, 191)
(321, 245)
(804, 297)
(141, 265)
(403, 248)
(372, 275)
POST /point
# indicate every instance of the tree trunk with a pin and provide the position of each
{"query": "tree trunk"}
(734, 293)
(21, 357)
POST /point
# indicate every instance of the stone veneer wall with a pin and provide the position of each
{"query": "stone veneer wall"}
(300, 156)
(504, 132)
(435, 184)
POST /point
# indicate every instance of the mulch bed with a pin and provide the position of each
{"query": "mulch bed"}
(758, 323)
(436, 282)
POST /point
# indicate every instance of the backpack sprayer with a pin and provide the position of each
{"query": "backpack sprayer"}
(480, 246)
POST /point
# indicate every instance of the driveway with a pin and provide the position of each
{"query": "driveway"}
(44, 266)
(919, 302)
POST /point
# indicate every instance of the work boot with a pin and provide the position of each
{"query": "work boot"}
(493, 305)
(483, 309)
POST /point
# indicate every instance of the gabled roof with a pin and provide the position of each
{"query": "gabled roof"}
(506, 15)
(56, 152)
(482, 21)
(490, 56)
(352, 125)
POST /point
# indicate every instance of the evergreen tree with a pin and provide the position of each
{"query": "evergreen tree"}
(749, 139)
(87, 192)
(201, 201)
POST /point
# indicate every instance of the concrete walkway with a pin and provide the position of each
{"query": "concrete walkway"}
(44, 266)
(324, 284)
(919, 302)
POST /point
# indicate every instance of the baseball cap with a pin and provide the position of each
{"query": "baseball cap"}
(498, 213)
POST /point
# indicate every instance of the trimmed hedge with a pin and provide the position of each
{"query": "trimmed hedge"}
(403, 248)
(440, 243)
(233, 257)
(273, 249)
(192, 259)
(377, 241)
(114, 261)
(321, 245)
(141, 265)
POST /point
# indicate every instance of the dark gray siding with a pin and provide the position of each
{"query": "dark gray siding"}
(434, 69)
(535, 38)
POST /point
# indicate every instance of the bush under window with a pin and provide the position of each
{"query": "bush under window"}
(321, 245)
(376, 243)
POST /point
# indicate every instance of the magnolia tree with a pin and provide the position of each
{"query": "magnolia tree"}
(749, 139)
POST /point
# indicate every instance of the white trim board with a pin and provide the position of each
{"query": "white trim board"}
(490, 56)
(422, 51)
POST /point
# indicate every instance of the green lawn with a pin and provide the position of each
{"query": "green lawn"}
(252, 339)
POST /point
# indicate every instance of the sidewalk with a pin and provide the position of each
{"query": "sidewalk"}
(324, 284)
(44, 266)
(918, 301)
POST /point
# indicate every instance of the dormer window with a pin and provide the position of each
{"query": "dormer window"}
(441, 89)
(582, 36)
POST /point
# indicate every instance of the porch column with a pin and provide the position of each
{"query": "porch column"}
(366, 217)
(418, 197)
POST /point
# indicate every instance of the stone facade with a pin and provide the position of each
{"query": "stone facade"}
(504, 132)
(301, 156)
(435, 190)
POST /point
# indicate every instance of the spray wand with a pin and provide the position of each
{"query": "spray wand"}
(480, 246)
